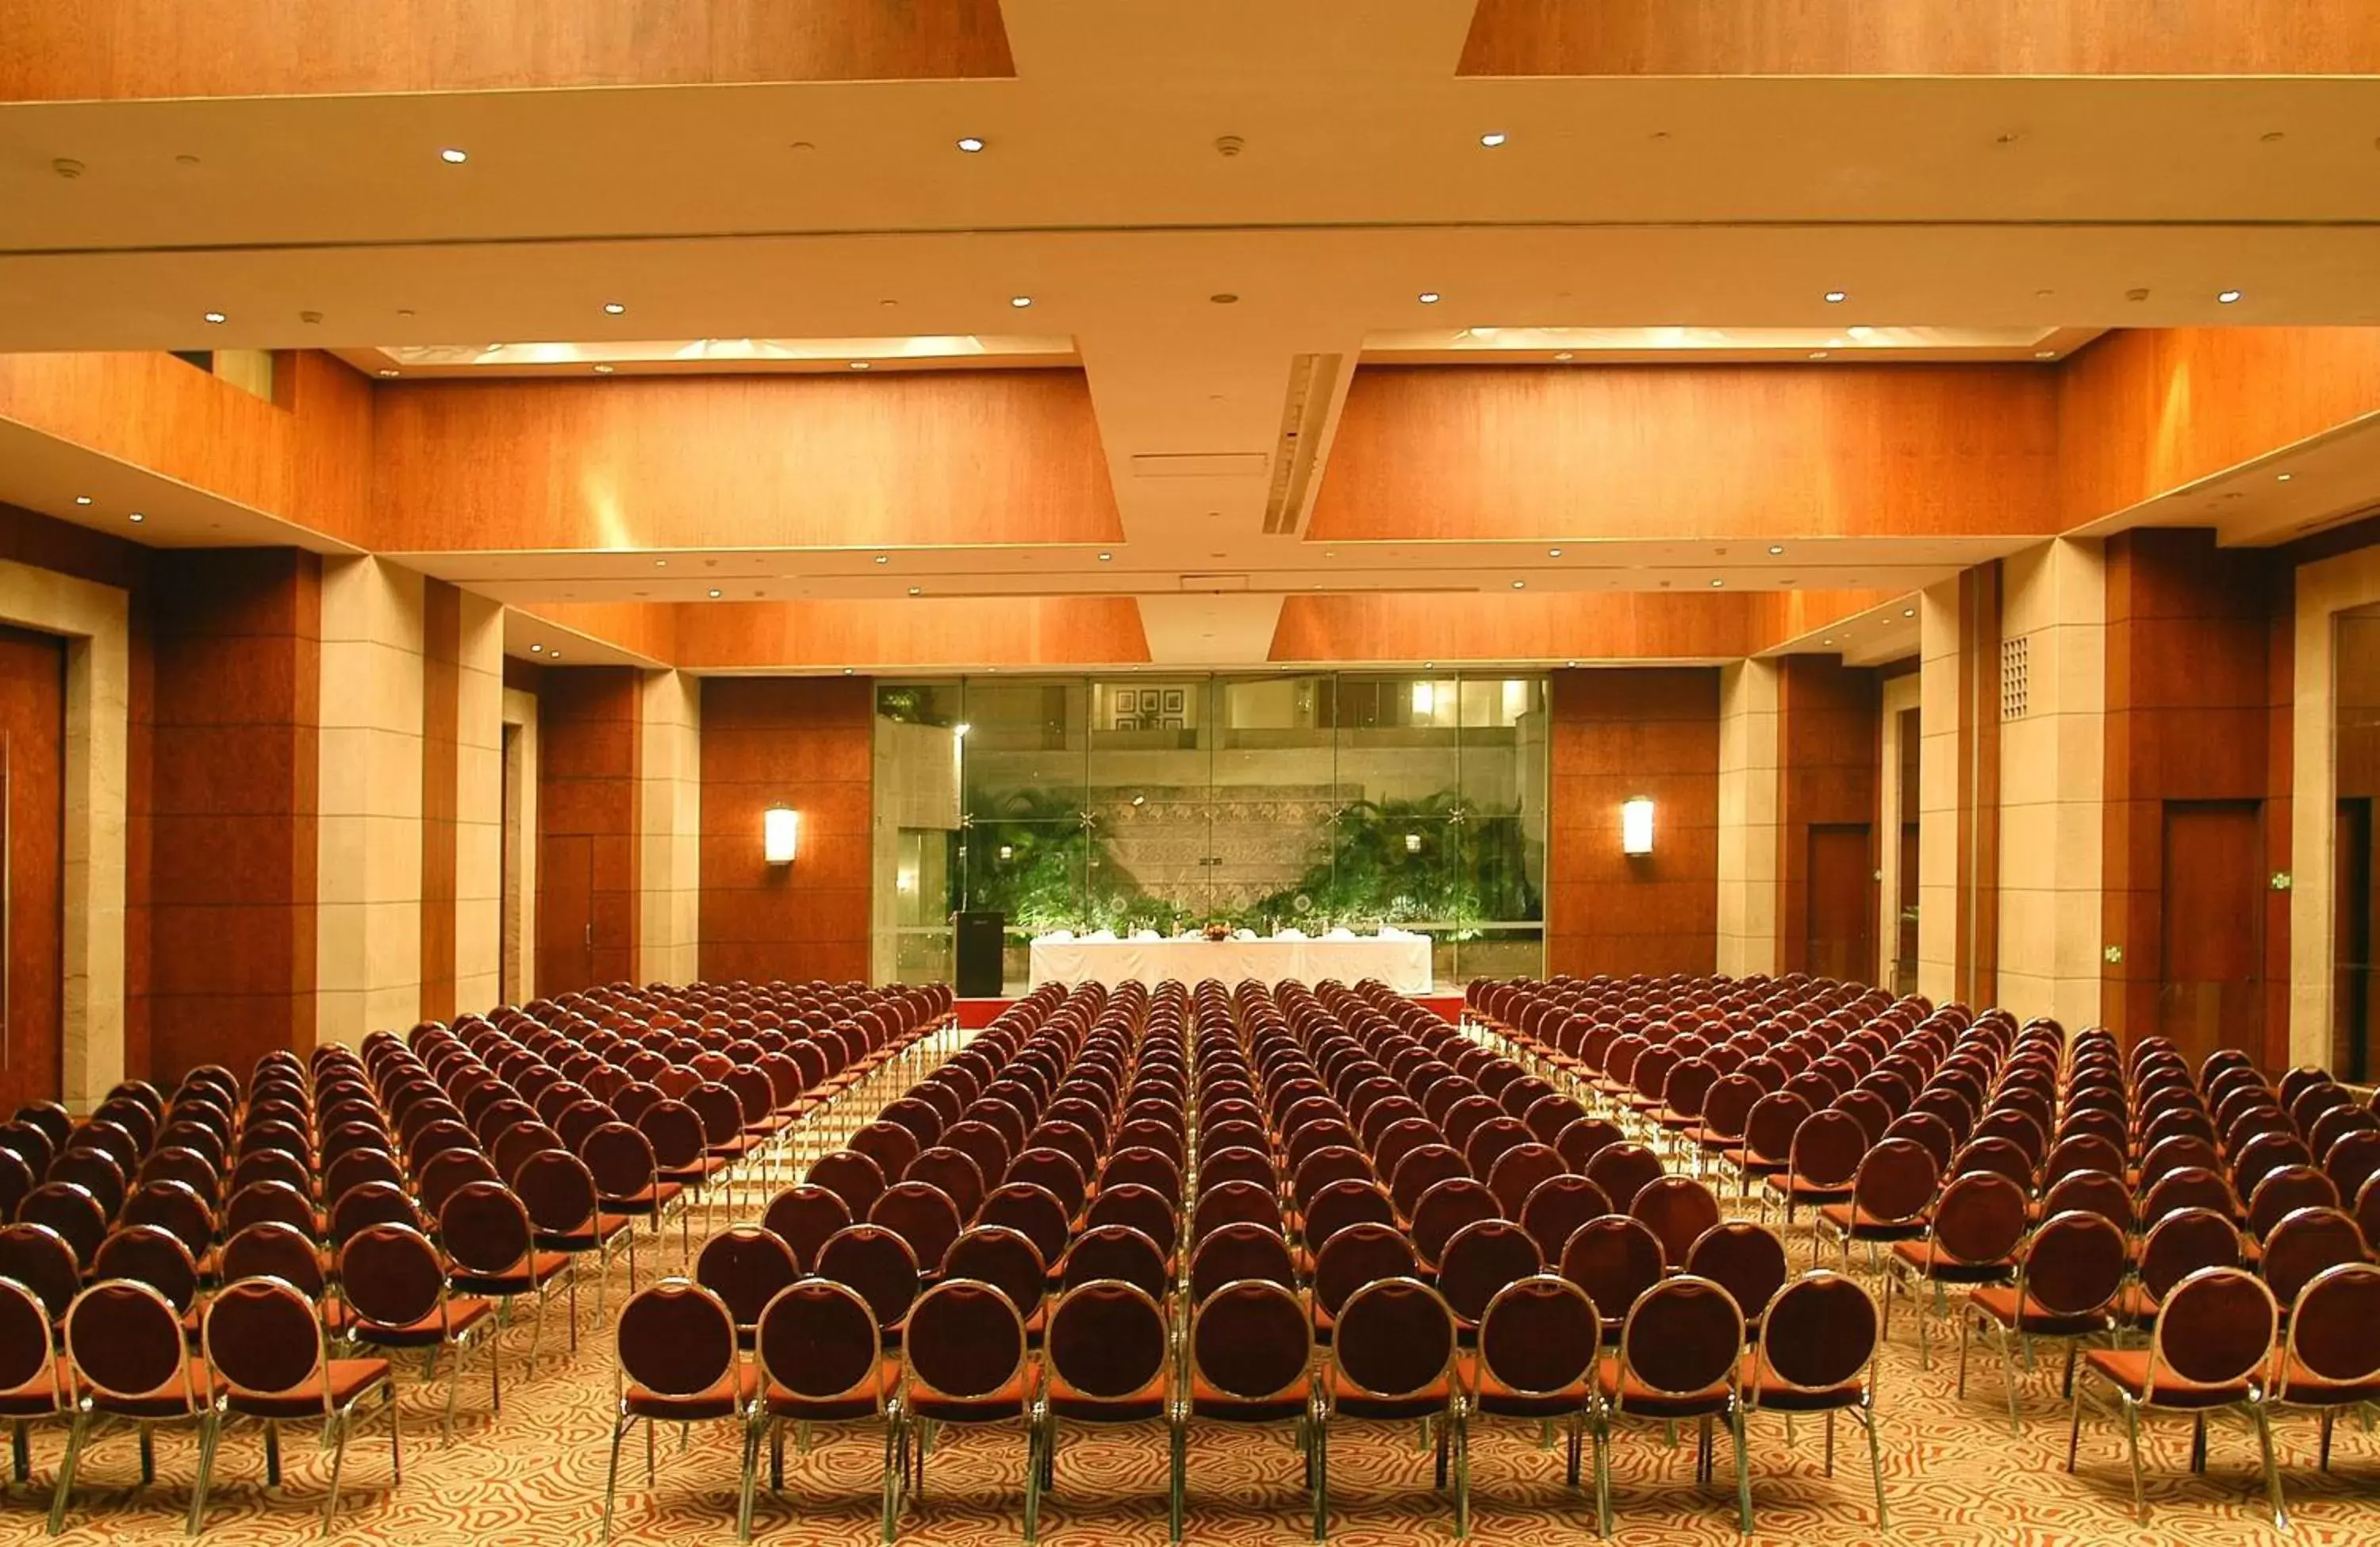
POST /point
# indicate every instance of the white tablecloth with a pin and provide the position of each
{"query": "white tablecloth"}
(1401, 963)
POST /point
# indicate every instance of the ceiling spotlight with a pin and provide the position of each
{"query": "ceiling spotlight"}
(602, 371)
(1716, 581)
(1105, 557)
(1817, 354)
(970, 143)
(2277, 478)
(2226, 297)
(1553, 553)
(1020, 302)
(85, 499)
(1427, 665)
(612, 308)
(2044, 354)
(1492, 140)
(862, 365)
(1775, 549)
(1909, 612)
(385, 370)
(453, 155)
(1836, 297)
(883, 558)
(714, 593)
(554, 655)
(1429, 298)
(136, 518)
(1520, 585)
(1826, 641)
(916, 591)
(1563, 357)
(219, 317)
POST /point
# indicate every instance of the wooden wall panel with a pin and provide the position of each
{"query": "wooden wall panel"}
(2192, 685)
(1830, 737)
(1019, 631)
(1922, 37)
(2143, 412)
(1719, 451)
(233, 843)
(589, 763)
(748, 461)
(65, 50)
(808, 743)
(442, 752)
(1617, 625)
(32, 753)
(1619, 733)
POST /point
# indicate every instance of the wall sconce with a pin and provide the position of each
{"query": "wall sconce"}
(781, 833)
(1636, 826)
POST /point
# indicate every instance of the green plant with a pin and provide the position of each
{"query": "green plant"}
(1039, 859)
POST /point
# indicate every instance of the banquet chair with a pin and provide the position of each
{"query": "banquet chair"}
(1108, 1359)
(1392, 1357)
(2069, 1275)
(1817, 1355)
(964, 1360)
(130, 1359)
(1538, 1342)
(1250, 1354)
(821, 1361)
(678, 1363)
(1678, 1359)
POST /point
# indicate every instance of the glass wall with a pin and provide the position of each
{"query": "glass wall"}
(1168, 802)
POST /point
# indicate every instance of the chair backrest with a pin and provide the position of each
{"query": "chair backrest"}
(819, 1340)
(2183, 1242)
(677, 1338)
(175, 1206)
(852, 1175)
(1980, 1218)
(70, 1211)
(1683, 1338)
(923, 1214)
(264, 1337)
(43, 1261)
(954, 1172)
(1395, 1338)
(1250, 1340)
(152, 1255)
(1446, 1207)
(2335, 1329)
(1480, 1260)
(1820, 1333)
(2075, 1263)
(2095, 1192)
(26, 1343)
(1519, 1171)
(1539, 1336)
(1238, 1200)
(1242, 1249)
(965, 1340)
(126, 1340)
(1827, 1148)
(1142, 1208)
(803, 1217)
(1746, 1259)
(1615, 1259)
(746, 1265)
(2286, 1190)
(2306, 1243)
(370, 1204)
(1623, 1170)
(270, 1249)
(1005, 1259)
(485, 1229)
(878, 1263)
(2213, 1329)
(1108, 1339)
(1677, 1210)
(390, 1275)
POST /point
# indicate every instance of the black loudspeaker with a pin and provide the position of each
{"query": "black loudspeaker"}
(982, 943)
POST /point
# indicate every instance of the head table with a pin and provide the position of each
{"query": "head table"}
(1401, 961)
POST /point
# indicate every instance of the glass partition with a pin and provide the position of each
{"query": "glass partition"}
(1167, 802)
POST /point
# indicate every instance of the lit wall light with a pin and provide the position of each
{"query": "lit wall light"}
(780, 835)
(961, 728)
(1636, 826)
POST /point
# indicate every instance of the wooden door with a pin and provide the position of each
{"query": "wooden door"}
(565, 914)
(2211, 958)
(2353, 979)
(1840, 909)
(32, 791)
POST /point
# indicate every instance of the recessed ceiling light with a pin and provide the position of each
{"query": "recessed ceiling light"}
(537, 649)
(1020, 302)
(1427, 665)
(602, 371)
(554, 655)
(1564, 356)
(883, 558)
(386, 370)
(862, 365)
(2044, 354)
(1717, 581)
(136, 518)
(453, 155)
(1492, 140)
(1776, 548)
(1909, 612)
(1224, 297)
(1817, 354)
(216, 317)
(1105, 557)
(1836, 297)
(1429, 298)
(1826, 641)
(1520, 585)
(916, 591)
(2226, 297)
(2283, 478)
(714, 593)
(82, 499)
(1553, 553)
(970, 143)
(848, 671)
(612, 308)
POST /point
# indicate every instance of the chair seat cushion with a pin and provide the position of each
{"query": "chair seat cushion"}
(345, 1381)
(1999, 1302)
(720, 1399)
(1634, 1396)
(167, 1401)
(645, 1200)
(1762, 1385)
(1501, 1400)
(527, 1277)
(462, 1313)
(1861, 1226)
(1351, 1400)
(40, 1394)
(712, 1166)
(1007, 1402)
(605, 1230)
(1798, 1188)
(1207, 1400)
(1948, 1269)
(2289, 1381)
(859, 1402)
(2129, 1368)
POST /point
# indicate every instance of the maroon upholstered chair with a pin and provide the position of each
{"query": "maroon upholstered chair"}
(964, 1361)
(130, 1360)
(1680, 1348)
(678, 1363)
(2069, 1275)
(2331, 1360)
(1393, 1359)
(393, 1294)
(1539, 1341)
(819, 1350)
(1817, 1354)
(1745, 1259)
(33, 1380)
(1616, 1259)
(1251, 1361)
(1109, 1359)
(1117, 1251)
(804, 1217)
(263, 1339)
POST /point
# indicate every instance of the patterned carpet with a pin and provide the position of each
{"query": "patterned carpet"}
(535, 1476)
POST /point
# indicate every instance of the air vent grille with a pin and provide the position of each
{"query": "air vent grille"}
(1304, 412)
(2016, 676)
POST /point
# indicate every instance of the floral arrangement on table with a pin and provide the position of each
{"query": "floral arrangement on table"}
(1218, 931)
